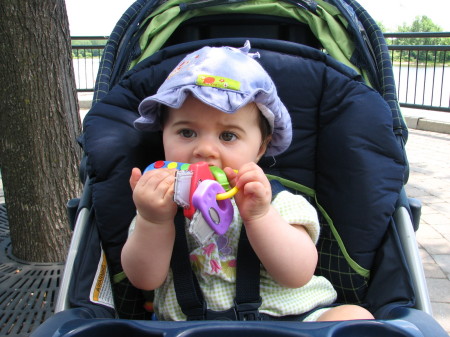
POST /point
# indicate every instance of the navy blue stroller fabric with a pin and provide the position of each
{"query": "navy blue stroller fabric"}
(343, 147)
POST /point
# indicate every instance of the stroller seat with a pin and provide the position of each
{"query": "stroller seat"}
(331, 109)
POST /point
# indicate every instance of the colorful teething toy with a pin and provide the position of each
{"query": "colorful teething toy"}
(209, 192)
(217, 214)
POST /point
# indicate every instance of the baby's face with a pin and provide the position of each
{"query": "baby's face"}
(198, 132)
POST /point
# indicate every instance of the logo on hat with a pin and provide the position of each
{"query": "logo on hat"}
(218, 82)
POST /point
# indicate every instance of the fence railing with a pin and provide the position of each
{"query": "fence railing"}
(87, 52)
(421, 66)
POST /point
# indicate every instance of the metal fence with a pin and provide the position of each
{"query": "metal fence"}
(421, 65)
(86, 55)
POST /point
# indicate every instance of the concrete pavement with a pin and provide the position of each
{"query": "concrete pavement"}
(429, 156)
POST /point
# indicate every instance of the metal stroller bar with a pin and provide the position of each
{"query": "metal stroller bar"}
(84, 207)
(408, 239)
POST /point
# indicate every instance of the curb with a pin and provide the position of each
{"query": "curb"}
(85, 100)
(426, 124)
(85, 104)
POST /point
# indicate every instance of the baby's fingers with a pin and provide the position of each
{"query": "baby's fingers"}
(134, 178)
(231, 175)
(251, 174)
(156, 182)
(256, 189)
(166, 186)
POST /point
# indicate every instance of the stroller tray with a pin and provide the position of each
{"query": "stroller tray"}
(112, 328)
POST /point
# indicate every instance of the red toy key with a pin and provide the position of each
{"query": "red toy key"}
(201, 172)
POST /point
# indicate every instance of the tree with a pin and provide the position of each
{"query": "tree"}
(381, 26)
(420, 24)
(39, 119)
(423, 24)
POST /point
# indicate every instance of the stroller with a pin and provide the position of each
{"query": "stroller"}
(333, 72)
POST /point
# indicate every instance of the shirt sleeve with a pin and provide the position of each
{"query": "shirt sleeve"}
(296, 210)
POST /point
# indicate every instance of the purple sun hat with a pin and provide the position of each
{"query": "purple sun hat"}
(224, 78)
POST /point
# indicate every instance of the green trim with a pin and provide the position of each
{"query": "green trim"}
(292, 184)
(311, 193)
(328, 25)
(119, 277)
(353, 264)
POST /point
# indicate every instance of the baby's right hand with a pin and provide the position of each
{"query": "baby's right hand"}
(153, 195)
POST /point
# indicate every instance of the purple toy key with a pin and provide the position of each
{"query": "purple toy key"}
(218, 214)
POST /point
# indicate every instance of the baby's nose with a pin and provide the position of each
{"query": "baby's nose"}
(206, 148)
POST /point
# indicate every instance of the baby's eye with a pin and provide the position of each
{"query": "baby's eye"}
(228, 136)
(187, 133)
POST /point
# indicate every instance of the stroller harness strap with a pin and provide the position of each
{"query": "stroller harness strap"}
(187, 289)
(189, 295)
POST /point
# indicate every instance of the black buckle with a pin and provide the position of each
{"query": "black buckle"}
(225, 315)
(248, 311)
(196, 314)
(240, 312)
(204, 314)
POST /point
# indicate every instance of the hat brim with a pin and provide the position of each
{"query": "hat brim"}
(228, 101)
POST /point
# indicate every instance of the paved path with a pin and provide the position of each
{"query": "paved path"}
(429, 181)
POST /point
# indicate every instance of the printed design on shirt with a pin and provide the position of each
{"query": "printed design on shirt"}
(209, 249)
(229, 268)
(211, 260)
(223, 246)
(197, 262)
(215, 266)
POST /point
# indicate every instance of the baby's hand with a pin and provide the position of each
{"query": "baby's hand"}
(255, 193)
(153, 195)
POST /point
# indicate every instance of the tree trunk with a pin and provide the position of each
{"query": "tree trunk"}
(39, 125)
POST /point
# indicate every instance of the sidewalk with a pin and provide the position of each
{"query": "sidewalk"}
(429, 181)
(428, 150)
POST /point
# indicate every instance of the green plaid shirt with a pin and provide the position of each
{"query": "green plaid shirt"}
(215, 267)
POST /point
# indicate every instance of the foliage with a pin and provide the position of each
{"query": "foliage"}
(381, 26)
(419, 25)
(87, 48)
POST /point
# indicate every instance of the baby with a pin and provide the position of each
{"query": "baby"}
(221, 107)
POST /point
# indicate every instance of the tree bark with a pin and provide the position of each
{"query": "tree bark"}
(39, 125)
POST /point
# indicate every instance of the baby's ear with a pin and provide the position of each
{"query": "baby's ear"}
(263, 148)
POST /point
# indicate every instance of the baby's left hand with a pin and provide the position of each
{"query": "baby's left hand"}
(255, 192)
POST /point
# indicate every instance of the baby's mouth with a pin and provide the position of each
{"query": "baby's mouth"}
(207, 162)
